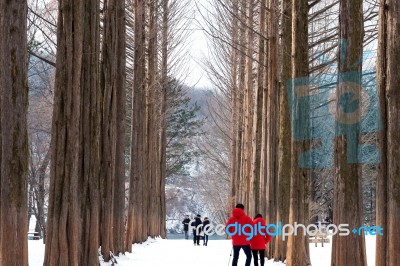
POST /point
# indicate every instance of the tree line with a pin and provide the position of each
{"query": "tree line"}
(260, 50)
(114, 62)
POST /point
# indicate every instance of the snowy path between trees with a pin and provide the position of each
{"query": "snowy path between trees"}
(182, 253)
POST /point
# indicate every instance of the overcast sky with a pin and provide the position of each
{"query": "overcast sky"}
(197, 53)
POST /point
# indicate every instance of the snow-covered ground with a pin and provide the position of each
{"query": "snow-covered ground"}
(182, 253)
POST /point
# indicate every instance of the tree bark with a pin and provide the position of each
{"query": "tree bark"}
(298, 250)
(152, 129)
(234, 152)
(13, 134)
(284, 150)
(120, 78)
(241, 98)
(388, 182)
(90, 150)
(347, 202)
(163, 109)
(63, 216)
(113, 128)
(248, 109)
(73, 213)
(255, 186)
(135, 226)
(272, 116)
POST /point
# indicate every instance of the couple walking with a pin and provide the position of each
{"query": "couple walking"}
(255, 245)
(200, 232)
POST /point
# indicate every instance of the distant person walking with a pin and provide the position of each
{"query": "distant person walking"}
(197, 228)
(259, 241)
(206, 225)
(185, 223)
(239, 241)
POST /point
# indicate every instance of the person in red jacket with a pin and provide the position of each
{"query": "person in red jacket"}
(239, 226)
(259, 240)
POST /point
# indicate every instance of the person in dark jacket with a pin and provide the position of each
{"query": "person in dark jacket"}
(206, 225)
(197, 228)
(258, 242)
(239, 241)
(185, 223)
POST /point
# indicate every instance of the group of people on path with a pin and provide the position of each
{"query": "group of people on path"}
(197, 233)
(253, 246)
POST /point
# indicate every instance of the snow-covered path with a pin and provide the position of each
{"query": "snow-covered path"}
(183, 253)
(179, 252)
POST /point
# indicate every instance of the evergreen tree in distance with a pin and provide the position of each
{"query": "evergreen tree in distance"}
(183, 126)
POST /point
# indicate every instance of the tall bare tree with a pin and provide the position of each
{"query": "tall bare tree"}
(13, 133)
(234, 106)
(73, 216)
(388, 182)
(135, 226)
(284, 151)
(153, 120)
(272, 115)
(347, 199)
(163, 110)
(242, 15)
(248, 106)
(113, 129)
(298, 250)
(259, 154)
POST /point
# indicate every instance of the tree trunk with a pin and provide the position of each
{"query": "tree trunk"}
(264, 130)
(258, 119)
(298, 250)
(347, 202)
(241, 98)
(135, 226)
(63, 215)
(113, 128)
(13, 134)
(284, 151)
(388, 182)
(120, 77)
(40, 195)
(90, 123)
(248, 110)
(163, 110)
(152, 130)
(144, 127)
(272, 116)
(163, 163)
(73, 215)
(234, 167)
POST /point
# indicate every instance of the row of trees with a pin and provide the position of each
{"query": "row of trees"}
(108, 151)
(180, 114)
(261, 48)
